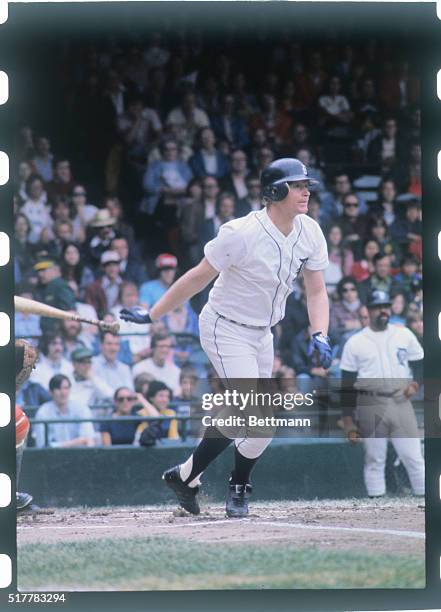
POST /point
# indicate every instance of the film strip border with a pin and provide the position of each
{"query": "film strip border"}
(7, 387)
(432, 290)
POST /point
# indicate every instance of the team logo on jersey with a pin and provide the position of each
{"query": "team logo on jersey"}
(305, 171)
(402, 356)
(303, 261)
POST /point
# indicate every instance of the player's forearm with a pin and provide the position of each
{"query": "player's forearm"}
(191, 283)
(318, 310)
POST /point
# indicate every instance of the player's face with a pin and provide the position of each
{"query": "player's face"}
(380, 316)
(298, 197)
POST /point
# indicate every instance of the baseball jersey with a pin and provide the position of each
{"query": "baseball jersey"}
(381, 355)
(258, 265)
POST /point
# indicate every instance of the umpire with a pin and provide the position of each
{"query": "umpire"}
(377, 365)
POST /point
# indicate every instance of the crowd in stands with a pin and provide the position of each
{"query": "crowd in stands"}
(167, 140)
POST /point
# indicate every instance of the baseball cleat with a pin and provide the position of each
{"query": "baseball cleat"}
(187, 496)
(23, 500)
(237, 500)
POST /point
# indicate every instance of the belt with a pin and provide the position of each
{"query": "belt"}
(377, 393)
(242, 324)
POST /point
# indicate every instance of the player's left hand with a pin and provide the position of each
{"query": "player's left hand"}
(135, 315)
(320, 350)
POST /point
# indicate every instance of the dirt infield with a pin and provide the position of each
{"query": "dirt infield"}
(394, 526)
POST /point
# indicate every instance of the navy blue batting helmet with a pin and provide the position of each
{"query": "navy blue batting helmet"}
(276, 176)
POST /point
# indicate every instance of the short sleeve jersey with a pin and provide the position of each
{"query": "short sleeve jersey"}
(258, 266)
(381, 355)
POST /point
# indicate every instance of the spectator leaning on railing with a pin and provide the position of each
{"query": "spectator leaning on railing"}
(63, 435)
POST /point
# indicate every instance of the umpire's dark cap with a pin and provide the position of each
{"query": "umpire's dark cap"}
(378, 298)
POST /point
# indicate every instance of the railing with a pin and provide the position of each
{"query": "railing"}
(316, 417)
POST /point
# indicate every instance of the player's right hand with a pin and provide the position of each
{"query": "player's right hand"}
(135, 315)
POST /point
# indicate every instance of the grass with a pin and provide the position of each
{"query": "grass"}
(164, 563)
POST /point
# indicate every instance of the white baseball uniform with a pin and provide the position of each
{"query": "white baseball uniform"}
(258, 266)
(381, 360)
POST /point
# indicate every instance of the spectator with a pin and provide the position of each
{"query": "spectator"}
(126, 403)
(43, 159)
(26, 325)
(385, 206)
(335, 110)
(139, 338)
(62, 184)
(353, 224)
(23, 249)
(71, 331)
(207, 160)
(386, 150)
(378, 230)
(409, 274)
(62, 234)
(159, 395)
(415, 323)
(107, 367)
(87, 389)
(166, 180)
(308, 377)
(53, 290)
(363, 268)
(230, 126)
(252, 201)
(116, 211)
(407, 232)
(140, 127)
(103, 225)
(51, 360)
(124, 354)
(151, 291)
(189, 116)
(380, 279)
(275, 121)
(344, 319)
(332, 203)
(160, 364)
(210, 227)
(35, 208)
(264, 156)
(83, 212)
(73, 270)
(102, 294)
(31, 394)
(306, 157)
(340, 258)
(63, 435)
(130, 266)
(410, 180)
(398, 309)
(235, 181)
(25, 172)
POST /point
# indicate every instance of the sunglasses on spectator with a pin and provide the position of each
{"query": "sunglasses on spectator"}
(347, 289)
(128, 398)
(79, 193)
(352, 205)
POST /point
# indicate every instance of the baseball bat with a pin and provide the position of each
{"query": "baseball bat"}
(33, 307)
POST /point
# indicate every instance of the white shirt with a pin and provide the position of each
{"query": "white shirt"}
(334, 105)
(45, 369)
(258, 265)
(116, 374)
(90, 391)
(168, 373)
(38, 214)
(381, 355)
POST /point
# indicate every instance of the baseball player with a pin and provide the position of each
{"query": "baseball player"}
(256, 260)
(376, 375)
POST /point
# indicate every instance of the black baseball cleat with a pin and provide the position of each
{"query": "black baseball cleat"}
(187, 496)
(237, 500)
(23, 500)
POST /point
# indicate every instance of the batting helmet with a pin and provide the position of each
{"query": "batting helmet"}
(378, 298)
(276, 176)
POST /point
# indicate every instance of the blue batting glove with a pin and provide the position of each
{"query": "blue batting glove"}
(135, 315)
(320, 350)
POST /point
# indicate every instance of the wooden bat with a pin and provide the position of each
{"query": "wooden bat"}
(34, 307)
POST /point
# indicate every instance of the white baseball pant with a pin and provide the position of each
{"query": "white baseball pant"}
(394, 419)
(238, 352)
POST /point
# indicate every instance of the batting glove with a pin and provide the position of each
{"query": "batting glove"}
(320, 350)
(135, 315)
